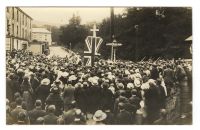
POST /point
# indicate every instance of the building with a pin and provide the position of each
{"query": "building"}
(37, 47)
(18, 29)
(42, 35)
(189, 42)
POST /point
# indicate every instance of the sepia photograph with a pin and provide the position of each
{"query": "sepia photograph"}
(98, 65)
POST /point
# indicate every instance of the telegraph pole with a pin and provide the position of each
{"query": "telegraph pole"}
(112, 31)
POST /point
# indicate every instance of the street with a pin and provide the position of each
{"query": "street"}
(57, 51)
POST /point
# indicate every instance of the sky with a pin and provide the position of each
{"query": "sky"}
(61, 15)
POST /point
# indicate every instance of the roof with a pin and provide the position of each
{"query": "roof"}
(40, 30)
(24, 13)
(189, 39)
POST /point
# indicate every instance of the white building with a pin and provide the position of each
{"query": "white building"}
(42, 35)
(18, 29)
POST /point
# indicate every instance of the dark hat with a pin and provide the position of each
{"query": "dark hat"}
(54, 90)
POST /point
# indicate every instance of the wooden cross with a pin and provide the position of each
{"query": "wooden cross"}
(94, 30)
(114, 46)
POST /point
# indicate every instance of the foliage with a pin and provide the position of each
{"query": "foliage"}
(74, 33)
(158, 34)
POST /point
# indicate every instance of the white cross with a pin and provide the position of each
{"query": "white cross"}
(94, 30)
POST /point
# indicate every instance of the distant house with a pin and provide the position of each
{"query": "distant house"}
(188, 45)
(37, 47)
(42, 35)
(189, 41)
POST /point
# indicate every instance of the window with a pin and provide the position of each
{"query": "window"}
(13, 29)
(17, 30)
(7, 9)
(22, 33)
(17, 15)
(25, 20)
(13, 13)
(22, 19)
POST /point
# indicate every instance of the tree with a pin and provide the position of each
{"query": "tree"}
(74, 33)
(158, 32)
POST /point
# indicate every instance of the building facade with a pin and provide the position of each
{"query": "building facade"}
(19, 28)
(42, 35)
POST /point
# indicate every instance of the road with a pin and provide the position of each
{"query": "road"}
(57, 51)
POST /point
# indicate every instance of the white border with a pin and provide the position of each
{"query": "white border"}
(172, 3)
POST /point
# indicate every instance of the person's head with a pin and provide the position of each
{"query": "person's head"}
(55, 90)
(17, 95)
(38, 103)
(104, 85)
(120, 86)
(24, 105)
(158, 81)
(18, 101)
(121, 106)
(51, 108)
(40, 120)
(99, 116)
(21, 117)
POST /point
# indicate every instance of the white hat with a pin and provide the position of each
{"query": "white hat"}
(145, 86)
(65, 74)
(72, 77)
(45, 81)
(137, 71)
(130, 85)
(99, 115)
(127, 72)
(137, 83)
(94, 82)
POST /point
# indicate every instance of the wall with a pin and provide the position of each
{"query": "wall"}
(36, 48)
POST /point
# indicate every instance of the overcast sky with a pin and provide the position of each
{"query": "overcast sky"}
(62, 15)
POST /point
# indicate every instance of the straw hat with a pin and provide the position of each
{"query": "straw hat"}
(130, 85)
(45, 81)
(65, 74)
(99, 115)
(137, 83)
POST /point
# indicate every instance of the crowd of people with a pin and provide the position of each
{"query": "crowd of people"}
(52, 90)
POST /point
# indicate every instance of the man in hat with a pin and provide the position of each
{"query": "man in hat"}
(50, 118)
(107, 98)
(15, 112)
(21, 119)
(43, 91)
(68, 95)
(54, 98)
(79, 118)
(123, 117)
(34, 81)
(154, 72)
(36, 112)
(152, 99)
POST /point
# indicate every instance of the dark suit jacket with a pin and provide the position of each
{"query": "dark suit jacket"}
(50, 119)
(35, 113)
(124, 118)
(14, 114)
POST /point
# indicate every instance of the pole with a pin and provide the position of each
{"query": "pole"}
(114, 51)
(111, 58)
(112, 24)
(136, 43)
